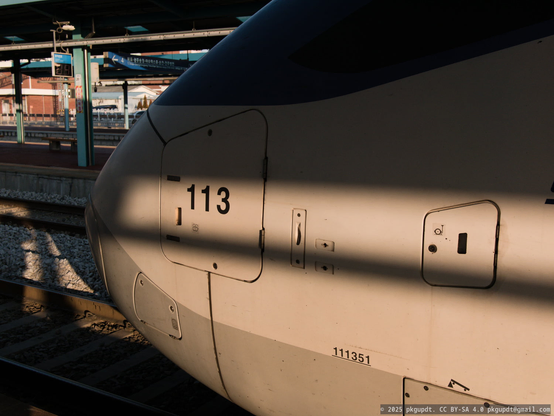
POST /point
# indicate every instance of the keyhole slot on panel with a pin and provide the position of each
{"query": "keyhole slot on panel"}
(178, 216)
(462, 243)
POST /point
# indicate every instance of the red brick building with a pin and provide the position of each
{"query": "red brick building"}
(41, 96)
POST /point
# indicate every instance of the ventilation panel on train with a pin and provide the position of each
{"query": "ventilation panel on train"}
(459, 245)
(155, 308)
(212, 192)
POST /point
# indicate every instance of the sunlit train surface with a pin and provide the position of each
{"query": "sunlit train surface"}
(345, 206)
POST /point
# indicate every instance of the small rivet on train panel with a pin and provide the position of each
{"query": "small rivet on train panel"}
(210, 132)
(433, 248)
(215, 266)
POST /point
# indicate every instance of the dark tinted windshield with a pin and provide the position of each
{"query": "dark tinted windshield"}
(388, 32)
(296, 51)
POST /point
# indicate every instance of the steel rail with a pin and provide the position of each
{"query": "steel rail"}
(44, 206)
(66, 396)
(42, 224)
(71, 302)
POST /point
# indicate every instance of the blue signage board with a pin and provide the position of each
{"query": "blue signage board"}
(62, 65)
(145, 63)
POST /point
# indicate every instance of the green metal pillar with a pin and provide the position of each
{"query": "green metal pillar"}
(126, 104)
(66, 104)
(18, 81)
(83, 104)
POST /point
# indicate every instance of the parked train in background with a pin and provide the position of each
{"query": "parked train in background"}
(347, 205)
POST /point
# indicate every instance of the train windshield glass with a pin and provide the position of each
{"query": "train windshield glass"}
(388, 32)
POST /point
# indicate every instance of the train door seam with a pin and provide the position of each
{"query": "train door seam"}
(213, 337)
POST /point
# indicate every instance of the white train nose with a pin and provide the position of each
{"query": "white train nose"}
(124, 203)
(94, 241)
(164, 300)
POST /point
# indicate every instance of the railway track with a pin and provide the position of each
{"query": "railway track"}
(62, 344)
(45, 338)
(68, 403)
(41, 205)
(42, 215)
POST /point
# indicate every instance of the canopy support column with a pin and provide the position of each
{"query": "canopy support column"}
(18, 81)
(83, 104)
(126, 104)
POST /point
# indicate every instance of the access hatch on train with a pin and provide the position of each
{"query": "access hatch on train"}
(212, 197)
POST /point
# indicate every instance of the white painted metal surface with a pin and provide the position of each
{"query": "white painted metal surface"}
(456, 156)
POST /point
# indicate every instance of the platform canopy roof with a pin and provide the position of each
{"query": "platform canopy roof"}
(26, 26)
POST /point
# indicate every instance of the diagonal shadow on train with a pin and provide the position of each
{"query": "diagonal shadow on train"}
(371, 268)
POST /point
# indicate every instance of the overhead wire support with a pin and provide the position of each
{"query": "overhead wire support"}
(71, 43)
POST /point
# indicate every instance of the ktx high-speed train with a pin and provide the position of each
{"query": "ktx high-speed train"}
(347, 205)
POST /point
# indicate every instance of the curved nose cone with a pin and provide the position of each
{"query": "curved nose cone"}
(162, 299)
(124, 202)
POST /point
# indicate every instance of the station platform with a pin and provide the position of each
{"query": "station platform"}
(33, 167)
(38, 154)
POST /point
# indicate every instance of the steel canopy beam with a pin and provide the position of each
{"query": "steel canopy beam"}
(71, 43)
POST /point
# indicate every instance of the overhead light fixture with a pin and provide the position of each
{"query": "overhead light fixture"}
(64, 26)
(136, 29)
(14, 38)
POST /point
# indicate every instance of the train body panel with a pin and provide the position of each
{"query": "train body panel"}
(351, 183)
(259, 372)
(335, 253)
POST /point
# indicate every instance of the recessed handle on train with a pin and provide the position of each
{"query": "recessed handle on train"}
(298, 238)
(298, 233)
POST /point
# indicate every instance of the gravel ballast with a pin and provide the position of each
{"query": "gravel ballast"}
(56, 261)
